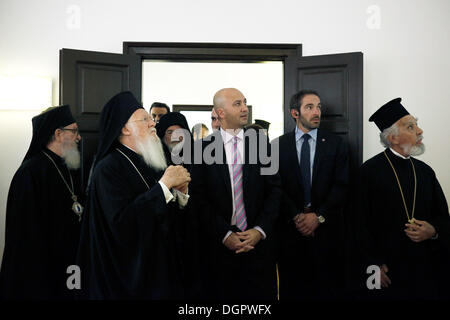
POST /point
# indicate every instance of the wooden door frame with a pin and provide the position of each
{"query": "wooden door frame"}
(220, 52)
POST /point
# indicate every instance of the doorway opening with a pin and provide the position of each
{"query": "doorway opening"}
(89, 79)
(192, 84)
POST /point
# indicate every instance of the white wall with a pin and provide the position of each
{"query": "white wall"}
(406, 57)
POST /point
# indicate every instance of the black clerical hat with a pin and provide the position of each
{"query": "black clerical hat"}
(44, 126)
(388, 114)
(170, 119)
(115, 114)
(264, 124)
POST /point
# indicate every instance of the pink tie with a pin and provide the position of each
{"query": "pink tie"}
(241, 219)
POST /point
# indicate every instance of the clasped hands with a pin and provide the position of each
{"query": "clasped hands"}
(243, 241)
(176, 177)
(419, 230)
(306, 223)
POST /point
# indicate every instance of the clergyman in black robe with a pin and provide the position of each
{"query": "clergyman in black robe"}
(42, 229)
(175, 142)
(402, 212)
(178, 144)
(128, 242)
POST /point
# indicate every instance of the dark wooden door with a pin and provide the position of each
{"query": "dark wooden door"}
(338, 78)
(87, 81)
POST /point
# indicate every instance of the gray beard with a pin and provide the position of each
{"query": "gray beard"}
(151, 150)
(71, 157)
(413, 150)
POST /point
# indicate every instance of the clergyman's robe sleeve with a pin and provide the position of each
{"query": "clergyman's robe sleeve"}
(441, 219)
(132, 238)
(124, 212)
(25, 267)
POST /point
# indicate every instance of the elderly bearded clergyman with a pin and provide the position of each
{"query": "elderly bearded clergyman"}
(43, 212)
(404, 218)
(128, 245)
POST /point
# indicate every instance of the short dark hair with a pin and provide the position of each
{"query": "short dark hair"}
(159, 105)
(296, 100)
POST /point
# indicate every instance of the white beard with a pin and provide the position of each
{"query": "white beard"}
(151, 150)
(415, 150)
(71, 156)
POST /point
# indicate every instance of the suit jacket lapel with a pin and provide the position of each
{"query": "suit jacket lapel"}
(246, 168)
(320, 147)
(223, 170)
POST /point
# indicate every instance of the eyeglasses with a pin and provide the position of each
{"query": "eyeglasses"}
(74, 131)
(146, 119)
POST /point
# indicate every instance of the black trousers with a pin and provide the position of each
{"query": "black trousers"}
(244, 276)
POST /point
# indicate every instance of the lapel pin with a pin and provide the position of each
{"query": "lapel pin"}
(323, 140)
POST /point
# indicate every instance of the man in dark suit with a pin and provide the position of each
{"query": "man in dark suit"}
(314, 176)
(239, 206)
(157, 110)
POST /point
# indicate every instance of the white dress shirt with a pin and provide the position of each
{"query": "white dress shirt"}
(175, 195)
(227, 138)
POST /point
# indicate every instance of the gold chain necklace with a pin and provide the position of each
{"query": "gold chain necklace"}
(401, 190)
(148, 188)
(76, 206)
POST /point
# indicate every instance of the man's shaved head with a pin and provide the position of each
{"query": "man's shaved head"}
(231, 108)
(220, 96)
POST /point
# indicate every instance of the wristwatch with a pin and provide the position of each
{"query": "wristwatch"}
(320, 218)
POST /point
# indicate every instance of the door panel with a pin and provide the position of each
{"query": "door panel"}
(338, 80)
(87, 81)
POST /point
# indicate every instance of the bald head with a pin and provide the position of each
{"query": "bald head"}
(222, 94)
(231, 108)
(218, 99)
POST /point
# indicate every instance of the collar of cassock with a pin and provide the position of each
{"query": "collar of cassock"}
(398, 154)
(54, 156)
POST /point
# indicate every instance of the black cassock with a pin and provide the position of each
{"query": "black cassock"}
(189, 242)
(415, 269)
(128, 246)
(42, 231)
